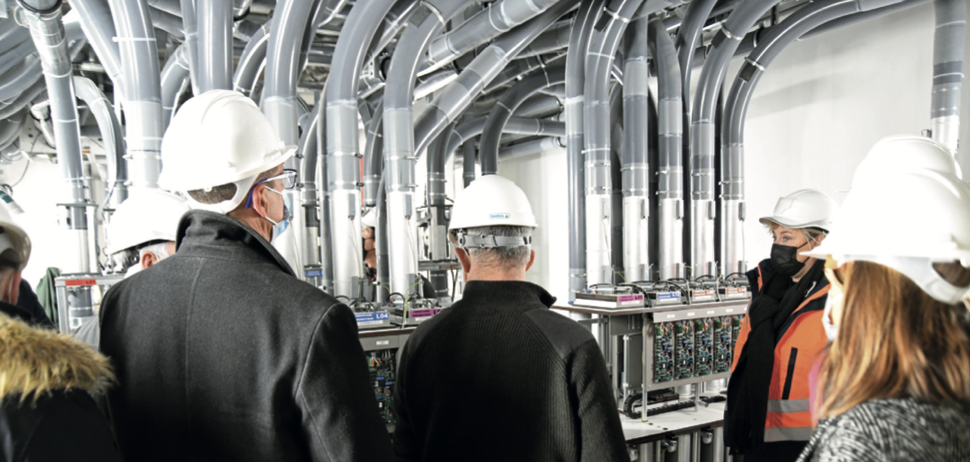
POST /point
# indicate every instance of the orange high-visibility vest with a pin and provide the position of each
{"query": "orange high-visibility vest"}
(803, 338)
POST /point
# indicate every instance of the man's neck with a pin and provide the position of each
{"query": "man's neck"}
(495, 276)
(254, 221)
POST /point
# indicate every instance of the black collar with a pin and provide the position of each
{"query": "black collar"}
(506, 292)
(203, 233)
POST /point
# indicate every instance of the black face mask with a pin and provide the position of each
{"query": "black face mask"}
(785, 259)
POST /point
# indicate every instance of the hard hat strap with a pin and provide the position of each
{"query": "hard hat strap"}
(490, 240)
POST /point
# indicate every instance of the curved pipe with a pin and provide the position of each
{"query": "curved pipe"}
(19, 79)
(215, 38)
(308, 186)
(498, 18)
(735, 110)
(456, 97)
(10, 128)
(16, 55)
(111, 135)
(464, 132)
(670, 190)
(537, 147)
(169, 23)
(374, 156)
(342, 164)
(634, 164)
(948, 71)
(503, 110)
(702, 208)
(20, 101)
(399, 144)
(251, 61)
(553, 40)
(142, 82)
(282, 69)
(861, 17)
(190, 28)
(518, 67)
(688, 36)
(468, 162)
(50, 37)
(604, 41)
(575, 101)
(173, 77)
(12, 34)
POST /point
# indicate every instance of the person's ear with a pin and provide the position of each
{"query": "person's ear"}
(466, 263)
(532, 259)
(148, 259)
(260, 203)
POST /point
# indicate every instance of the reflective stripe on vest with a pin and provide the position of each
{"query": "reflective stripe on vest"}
(776, 434)
(787, 406)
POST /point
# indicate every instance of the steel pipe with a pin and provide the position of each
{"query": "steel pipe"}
(948, 71)
(173, 77)
(50, 37)
(502, 112)
(111, 135)
(634, 164)
(669, 171)
(215, 40)
(702, 207)
(343, 164)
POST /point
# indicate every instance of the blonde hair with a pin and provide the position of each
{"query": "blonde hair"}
(811, 234)
(894, 341)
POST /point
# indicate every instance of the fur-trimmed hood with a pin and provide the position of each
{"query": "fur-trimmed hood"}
(35, 361)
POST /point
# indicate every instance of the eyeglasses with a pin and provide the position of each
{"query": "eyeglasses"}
(288, 177)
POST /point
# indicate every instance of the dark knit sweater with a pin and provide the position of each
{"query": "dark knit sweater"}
(498, 376)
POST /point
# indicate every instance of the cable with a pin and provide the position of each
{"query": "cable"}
(406, 301)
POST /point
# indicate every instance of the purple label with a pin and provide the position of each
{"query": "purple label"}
(629, 298)
(428, 312)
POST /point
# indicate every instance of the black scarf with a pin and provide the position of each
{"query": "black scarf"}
(747, 404)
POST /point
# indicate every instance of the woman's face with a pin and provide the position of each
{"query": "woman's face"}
(784, 235)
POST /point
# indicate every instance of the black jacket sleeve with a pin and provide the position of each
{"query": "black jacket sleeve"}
(339, 409)
(407, 444)
(601, 435)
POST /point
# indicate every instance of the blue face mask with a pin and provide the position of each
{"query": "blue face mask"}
(283, 224)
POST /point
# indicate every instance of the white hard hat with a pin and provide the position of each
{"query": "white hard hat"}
(907, 221)
(369, 219)
(905, 153)
(491, 200)
(152, 215)
(12, 236)
(806, 208)
(216, 138)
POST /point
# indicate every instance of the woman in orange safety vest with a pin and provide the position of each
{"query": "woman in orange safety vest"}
(768, 414)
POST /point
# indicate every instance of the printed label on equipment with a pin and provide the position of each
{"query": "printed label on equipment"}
(314, 273)
(667, 295)
(382, 342)
(372, 318)
(80, 282)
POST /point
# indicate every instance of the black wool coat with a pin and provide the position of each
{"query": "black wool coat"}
(222, 354)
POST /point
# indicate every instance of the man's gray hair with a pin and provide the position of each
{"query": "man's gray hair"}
(160, 250)
(499, 257)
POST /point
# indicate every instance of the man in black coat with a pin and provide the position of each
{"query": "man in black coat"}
(220, 352)
(498, 366)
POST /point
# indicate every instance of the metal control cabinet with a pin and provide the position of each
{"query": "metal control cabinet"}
(382, 350)
(79, 297)
(649, 349)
